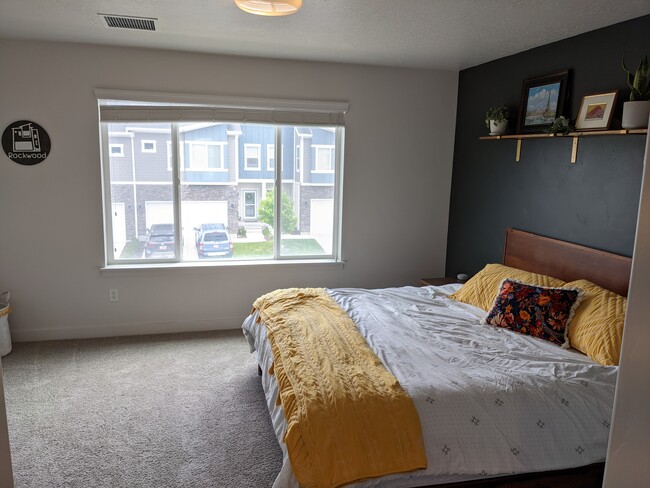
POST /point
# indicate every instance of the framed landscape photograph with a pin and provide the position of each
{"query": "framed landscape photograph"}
(542, 101)
(596, 111)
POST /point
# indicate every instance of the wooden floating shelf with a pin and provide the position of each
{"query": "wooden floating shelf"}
(574, 135)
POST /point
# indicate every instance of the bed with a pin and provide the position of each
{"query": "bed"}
(496, 408)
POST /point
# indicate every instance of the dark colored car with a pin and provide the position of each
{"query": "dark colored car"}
(212, 243)
(160, 241)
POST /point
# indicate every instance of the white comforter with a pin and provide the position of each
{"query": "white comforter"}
(491, 402)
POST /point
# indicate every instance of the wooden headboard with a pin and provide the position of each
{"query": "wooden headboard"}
(566, 261)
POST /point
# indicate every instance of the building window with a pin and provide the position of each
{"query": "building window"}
(148, 146)
(297, 157)
(270, 157)
(252, 157)
(324, 158)
(117, 150)
(182, 204)
(250, 204)
(206, 156)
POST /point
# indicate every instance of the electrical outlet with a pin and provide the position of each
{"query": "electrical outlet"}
(112, 295)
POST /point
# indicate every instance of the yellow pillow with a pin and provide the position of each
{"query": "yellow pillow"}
(597, 326)
(482, 288)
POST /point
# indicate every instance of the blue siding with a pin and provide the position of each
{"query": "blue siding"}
(288, 151)
(256, 134)
(320, 137)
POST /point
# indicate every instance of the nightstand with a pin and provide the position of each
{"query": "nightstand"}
(439, 281)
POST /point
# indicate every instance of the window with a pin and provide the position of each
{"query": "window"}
(250, 204)
(148, 146)
(194, 202)
(297, 156)
(252, 157)
(117, 150)
(270, 157)
(324, 158)
(206, 156)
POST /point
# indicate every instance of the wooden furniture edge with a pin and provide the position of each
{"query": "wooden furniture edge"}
(620, 132)
(566, 261)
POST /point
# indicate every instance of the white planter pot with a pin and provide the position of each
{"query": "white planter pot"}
(635, 114)
(498, 128)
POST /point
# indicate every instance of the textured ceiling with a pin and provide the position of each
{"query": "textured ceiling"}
(446, 34)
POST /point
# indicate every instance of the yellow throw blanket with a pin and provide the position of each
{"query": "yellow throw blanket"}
(347, 416)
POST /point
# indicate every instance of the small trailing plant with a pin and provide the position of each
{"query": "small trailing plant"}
(498, 114)
(639, 81)
(561, 125)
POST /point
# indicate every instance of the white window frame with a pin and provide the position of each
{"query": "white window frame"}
(120, 106)
(222, 153)
(148, 141)
(331, 166)
(270, 156)
(181, 146)
(116, 155)
(247, 147)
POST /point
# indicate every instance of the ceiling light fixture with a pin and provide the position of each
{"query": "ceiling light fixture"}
(270, 8)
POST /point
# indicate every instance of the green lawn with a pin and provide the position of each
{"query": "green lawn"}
(290, 247)
(132, 249)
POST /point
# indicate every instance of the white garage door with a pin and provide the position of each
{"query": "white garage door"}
(119, 228)
(158, 213)
(322, 217)
(192, 213)
(322, 222)
(208, 212)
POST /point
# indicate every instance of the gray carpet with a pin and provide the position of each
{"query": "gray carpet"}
(178, 410)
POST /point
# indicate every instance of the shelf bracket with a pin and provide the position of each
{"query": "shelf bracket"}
(518, 155)
(574, 150)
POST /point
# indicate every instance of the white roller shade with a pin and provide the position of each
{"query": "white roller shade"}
(129, 106)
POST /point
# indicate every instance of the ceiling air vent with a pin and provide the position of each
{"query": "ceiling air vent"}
(127, 22)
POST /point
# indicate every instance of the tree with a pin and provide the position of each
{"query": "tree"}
(267, 212)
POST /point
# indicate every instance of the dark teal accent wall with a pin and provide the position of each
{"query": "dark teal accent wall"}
(593, 202)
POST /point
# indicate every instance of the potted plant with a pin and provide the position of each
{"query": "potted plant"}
(637, 110)
(496, 119)
(561, 125)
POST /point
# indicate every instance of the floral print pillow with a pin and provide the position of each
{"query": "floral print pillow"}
(535, 310)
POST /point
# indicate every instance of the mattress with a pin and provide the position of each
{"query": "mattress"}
(491, 402)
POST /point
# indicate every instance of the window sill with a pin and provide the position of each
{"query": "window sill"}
(212, 266)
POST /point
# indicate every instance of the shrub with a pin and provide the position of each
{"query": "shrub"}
(267, 213)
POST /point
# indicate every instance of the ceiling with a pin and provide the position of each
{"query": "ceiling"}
(441, 34)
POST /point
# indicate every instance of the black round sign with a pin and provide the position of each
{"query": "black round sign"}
(26, 142)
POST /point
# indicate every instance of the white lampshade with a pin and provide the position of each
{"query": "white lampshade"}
(271, 8)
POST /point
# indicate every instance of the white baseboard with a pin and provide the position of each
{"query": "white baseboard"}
(114, 330)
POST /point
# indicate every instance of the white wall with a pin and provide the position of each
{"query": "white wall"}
(398, 159)
(629, 442)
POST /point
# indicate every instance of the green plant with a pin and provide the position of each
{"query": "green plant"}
(267, 212)
(241, 232)
(267, 233)
(639, 82)
(561, 125)
(498, 114)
